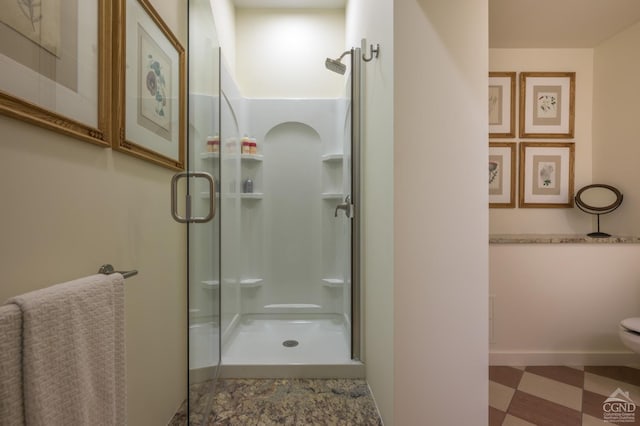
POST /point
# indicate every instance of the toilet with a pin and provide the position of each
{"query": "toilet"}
(630, 333)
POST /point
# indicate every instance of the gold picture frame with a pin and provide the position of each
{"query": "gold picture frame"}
(502, 174)
(56, 72)
(547, 104)
(150, 87)
(502, 104)
(546, 174)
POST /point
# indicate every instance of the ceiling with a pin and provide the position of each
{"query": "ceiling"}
(558, 23)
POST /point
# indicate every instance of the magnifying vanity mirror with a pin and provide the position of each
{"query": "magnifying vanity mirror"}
(598, 199)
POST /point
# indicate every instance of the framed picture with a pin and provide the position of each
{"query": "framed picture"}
(547, 104)
(502, 104)
(54, 62)
(502, 174)
(150, 87)
(546, 174)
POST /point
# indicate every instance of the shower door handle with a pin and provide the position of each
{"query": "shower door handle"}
(174, 198)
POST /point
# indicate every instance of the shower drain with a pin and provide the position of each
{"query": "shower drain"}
(290, 343)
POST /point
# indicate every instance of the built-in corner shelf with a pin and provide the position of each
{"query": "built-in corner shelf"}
(332, 157)
(250, 282)
(243, 195)
(332, 195)
(251, 195)
(333, 282)
(210, 284)
(251, 157)
(209, 155)
(247, 157)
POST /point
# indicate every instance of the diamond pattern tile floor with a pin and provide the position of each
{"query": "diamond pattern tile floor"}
(563, 396)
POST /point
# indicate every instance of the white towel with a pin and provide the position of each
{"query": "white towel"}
(11, 407)
(73, 353)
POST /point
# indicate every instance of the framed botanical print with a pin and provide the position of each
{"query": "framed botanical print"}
(547, 104)
(546, 174)
(55, 71)
(502, 174)
(150, 111)
(502, 104)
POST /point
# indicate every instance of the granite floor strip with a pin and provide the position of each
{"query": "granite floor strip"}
(247, 402)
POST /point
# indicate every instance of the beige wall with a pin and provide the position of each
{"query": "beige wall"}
(550, 221)
(592, 287)
(280, 53)
(440, 212)
(373, 20)
(69, 207)
(561, 304)
(615, 126)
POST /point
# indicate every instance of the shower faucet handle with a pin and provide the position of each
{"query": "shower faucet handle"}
(346, 206)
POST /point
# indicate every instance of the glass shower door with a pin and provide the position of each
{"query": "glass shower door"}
(203, 238)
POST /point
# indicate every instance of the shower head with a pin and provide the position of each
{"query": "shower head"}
(336, 65)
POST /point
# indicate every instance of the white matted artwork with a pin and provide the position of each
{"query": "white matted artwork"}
(502, 104)
(151, 87)
(154, 84)
(547, 104)
(54, 62)
(546, 174)
(38, 21)
(502, 174)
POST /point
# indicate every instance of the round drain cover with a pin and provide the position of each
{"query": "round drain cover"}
(290, 343)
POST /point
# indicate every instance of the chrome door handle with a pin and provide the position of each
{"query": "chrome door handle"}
(174, 198)
(346, 206)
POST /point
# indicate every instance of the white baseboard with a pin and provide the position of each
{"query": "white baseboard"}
(564, 358)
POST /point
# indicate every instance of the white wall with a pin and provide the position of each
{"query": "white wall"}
(69, 207)
(440, 217)
(290, 237)
(373, 19)
(551, 221)
(280, 53)
(615, 115)
(560, 304)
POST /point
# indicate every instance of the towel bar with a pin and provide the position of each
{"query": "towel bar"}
(108, 269)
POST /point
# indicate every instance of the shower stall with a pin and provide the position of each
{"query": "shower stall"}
(274, 286)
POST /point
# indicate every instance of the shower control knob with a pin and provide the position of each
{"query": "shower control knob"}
(346, 206)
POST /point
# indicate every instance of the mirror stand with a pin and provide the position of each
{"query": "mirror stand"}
(598, 199)
(598, 234)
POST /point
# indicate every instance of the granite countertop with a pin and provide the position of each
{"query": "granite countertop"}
(559, 239)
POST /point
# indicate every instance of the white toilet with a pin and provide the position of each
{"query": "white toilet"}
(630, 333)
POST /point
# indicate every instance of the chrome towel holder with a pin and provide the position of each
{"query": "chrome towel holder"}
(108, 269)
